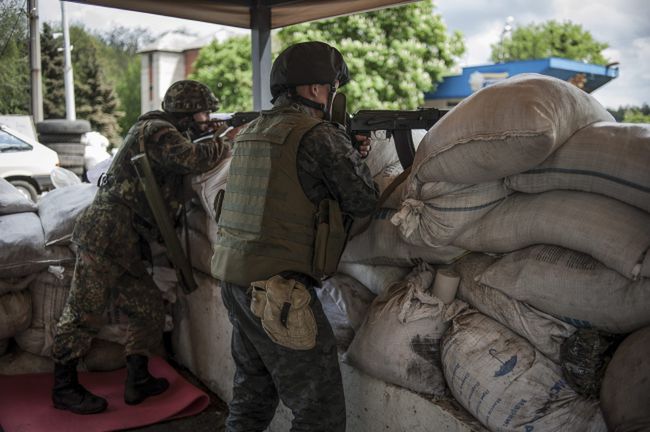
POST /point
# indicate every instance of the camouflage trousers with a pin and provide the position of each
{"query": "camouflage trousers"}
(308, 382)
(97, 281)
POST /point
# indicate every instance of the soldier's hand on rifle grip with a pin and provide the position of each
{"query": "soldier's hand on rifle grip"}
(362, 145)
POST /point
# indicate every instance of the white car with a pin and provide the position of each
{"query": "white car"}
(26, 163)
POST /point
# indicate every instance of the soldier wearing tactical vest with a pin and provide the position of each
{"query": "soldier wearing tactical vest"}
(294, 181)
(113, 237)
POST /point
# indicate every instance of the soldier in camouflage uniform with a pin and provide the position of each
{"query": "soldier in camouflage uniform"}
(320, 158)
(112, 237)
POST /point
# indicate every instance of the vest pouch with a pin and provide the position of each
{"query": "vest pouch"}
(330, 238)
(283, 307)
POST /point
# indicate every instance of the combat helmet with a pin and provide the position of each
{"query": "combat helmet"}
(189, 96)
(308, 63)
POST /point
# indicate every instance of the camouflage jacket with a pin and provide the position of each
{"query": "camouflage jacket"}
(329, 167)
(120, 214)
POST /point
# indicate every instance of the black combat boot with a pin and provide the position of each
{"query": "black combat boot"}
(139, 382)
(69, 395)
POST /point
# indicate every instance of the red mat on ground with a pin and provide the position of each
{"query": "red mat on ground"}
(26, 404)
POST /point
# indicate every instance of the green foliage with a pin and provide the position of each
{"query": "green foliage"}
(52, 74)
(631, 114)
(14, 59)
(394, 55)
(95, 100)
(226, 68)
(550, 39)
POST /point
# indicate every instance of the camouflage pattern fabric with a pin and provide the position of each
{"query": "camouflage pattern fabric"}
(308, 382)
(96, 282)
(111, 231)
(329, 167)
(188, 96)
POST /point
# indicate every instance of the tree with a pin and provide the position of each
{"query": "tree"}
(550, 39)
(52, 74)
(14, 59)
(631, 114)
(225, 67)
(395, 55)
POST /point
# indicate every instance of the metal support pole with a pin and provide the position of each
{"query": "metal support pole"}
(35, 61)
(261, 55)
(68, 79)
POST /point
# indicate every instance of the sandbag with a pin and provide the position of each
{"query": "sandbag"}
(349, 295)
(22, 246)
(39, 341)
(506, 384)
(374, 277)
(399, 340)
(15, 284)
(433, 214)
(15, 313)
(625, 391)
(200, 249)
(59, 209)
(49, 292)
(208, 184)
(338, 319)
(607, 158)
(12, 201)
(544, 332)
(573, 287)
(382, 244)
(23, 362)
(613, 232)
(199, 220)
(504, 129)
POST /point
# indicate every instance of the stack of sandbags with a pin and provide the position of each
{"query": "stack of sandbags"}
(504, 129)
(399, 340)
(503, 381)
(23, 250)
(49, 292)
(60, 208)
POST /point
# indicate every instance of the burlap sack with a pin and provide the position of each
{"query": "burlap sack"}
(607, 158)
(613, 232)
(509, 386)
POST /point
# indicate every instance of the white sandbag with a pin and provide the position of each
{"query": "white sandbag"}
(607, 158)
(625, 392)
(338, 319)
(199, 220)
(382, 154)
(22, 246)
(349, 295)
(507, 385)
(504, 129)
(374, 277)
(613, 232)
(12, 201)
(382, 244)
(202, 335)
(543, 331)
(49, 292)
(15, 313)
(209, 183)
(166, 280)
(399, 340)
(23, 362)
(60, 208)
(434, 214)
(573, 287)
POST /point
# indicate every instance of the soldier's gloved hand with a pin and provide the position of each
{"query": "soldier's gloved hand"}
(364, 145)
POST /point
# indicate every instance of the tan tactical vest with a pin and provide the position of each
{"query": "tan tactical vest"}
(267, 224)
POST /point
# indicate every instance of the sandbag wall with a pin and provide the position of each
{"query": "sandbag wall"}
(36, 267)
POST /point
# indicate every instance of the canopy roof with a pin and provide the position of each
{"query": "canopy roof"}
(237, 13)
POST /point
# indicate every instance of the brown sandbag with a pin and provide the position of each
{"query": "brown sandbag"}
(625, 392)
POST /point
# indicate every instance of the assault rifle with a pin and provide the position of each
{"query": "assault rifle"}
(397, 124)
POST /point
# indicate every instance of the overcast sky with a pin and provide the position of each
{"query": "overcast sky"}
(623, 24)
